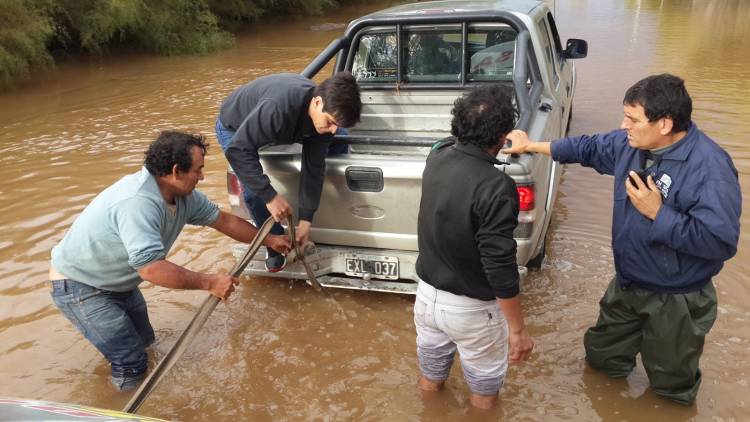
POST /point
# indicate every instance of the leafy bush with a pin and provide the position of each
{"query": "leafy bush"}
(23, 32)
(29, 29)
(180, 27)
(161, 26)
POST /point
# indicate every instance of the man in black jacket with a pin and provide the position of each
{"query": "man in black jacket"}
(284, 109)
(467, 299)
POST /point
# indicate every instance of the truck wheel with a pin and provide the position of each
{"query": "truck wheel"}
(535, 263)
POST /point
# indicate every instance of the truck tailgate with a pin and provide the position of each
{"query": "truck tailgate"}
(368, 200)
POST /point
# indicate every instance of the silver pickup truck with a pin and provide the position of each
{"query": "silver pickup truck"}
(412, 62)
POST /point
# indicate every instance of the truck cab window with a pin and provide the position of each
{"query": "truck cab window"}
(491, 54)
(550, 51)
(553, 30)
(375, 60)
(432, 56)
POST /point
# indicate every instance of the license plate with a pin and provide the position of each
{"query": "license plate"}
(378, 266)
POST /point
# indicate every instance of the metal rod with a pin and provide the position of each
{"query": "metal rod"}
(324, 57)
(384, 140)
(399, 72)
(465, 63)
(192, 329)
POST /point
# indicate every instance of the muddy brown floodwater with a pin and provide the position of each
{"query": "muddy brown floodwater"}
(279, 351)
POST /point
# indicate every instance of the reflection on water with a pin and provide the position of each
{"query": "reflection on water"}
(280, 351)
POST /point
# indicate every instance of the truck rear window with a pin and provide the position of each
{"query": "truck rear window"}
(434, 55)
(375, 60)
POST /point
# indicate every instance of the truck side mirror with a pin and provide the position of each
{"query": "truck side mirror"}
(576, 49)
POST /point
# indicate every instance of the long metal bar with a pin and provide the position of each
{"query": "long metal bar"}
(520, 78)
(324, 57)
(384, 140)
(192, 329)
(399, 71)
(465, 65)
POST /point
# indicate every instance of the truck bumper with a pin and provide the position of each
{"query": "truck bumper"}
(329, 265)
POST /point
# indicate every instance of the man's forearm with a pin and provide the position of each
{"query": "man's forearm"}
(513, 314)
(166, 274)
(542, 147)
(520, 144)
(235, 227)
(520, 343)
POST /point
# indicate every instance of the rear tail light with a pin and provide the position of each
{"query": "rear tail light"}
(525, 197)
(526, 205)
(234, 189)
(233, 184)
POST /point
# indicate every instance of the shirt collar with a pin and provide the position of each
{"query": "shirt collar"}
(681, 149)
(475, 151)
(144, 174)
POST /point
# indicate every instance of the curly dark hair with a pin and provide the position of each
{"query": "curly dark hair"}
(484, 115)
(340, 95)
(170, 148)
(660, 96)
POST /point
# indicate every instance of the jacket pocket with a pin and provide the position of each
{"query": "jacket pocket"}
(666, 260)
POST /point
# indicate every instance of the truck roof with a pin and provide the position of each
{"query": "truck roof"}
(456, 6)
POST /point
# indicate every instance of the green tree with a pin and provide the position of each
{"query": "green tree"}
(23, 33)
(30, 29)
(162, 26)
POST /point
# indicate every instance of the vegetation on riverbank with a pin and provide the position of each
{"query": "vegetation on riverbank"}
(34, 32)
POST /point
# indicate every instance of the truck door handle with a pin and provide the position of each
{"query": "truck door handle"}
(546, 107)
(364, 179)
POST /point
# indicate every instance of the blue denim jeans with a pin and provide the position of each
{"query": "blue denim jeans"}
(116, 323)
(258, 210)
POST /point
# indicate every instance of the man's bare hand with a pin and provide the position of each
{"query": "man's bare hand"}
(222, 285)
(520, 140)
(279, 208)
(279, 243)
(303, 233)
(646, 199)
(521, 345)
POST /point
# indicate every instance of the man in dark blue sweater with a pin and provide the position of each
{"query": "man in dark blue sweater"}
(468, 296)
(677, 205)
(279, 109)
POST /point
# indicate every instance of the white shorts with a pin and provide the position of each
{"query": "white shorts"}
(477, 329)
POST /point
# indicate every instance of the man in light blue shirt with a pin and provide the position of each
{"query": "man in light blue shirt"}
(123, 237)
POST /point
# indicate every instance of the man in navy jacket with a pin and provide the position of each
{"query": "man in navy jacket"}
(676, 213)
